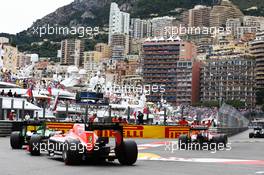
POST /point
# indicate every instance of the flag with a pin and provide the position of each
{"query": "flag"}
(50, 94)
(30, 92)
(49, 90)
(56, 103)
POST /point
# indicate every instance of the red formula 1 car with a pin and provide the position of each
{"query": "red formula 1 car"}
(200, 136)
(84, 142)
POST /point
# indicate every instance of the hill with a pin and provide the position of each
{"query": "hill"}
(96, 13)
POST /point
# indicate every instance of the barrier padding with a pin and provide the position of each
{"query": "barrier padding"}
(153, 132)
(130, 131)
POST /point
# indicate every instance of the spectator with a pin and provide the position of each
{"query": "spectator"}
(36, 116)
(124, 121)
(140, 118)
(183, 122)
(11, 115)
(3, 93)
(93, 118)
(15, 94)
(27, 116)
(115, 120)
(9, 94)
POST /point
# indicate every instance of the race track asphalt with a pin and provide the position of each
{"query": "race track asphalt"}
(246, 157)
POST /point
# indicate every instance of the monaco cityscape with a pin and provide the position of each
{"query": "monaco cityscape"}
(133, 86)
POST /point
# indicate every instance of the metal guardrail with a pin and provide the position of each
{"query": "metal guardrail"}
(231, 131)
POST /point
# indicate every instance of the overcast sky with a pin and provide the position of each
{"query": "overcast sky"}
(18, 15)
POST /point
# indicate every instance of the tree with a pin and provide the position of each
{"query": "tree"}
(208, 104)
(260, 97)
(236, 103)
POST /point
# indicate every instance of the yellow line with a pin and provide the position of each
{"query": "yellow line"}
(148, 156)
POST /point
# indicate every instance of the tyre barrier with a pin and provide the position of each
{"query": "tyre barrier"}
(5, 128)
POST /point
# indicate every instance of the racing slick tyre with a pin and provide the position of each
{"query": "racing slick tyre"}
(71, 156)
(200, 140)
(251, 135)
(183, 142)
(215, 142)
(127, 153)
(258, 135)
(223, 139)
(16, 140)
(34, 145)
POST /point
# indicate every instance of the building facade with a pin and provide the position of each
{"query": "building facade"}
(9, 58)
(220, 13)
(118, 22)
(119, 46)
(140, 28)
(104, 49)
(229, 79)
(257, 50)
(170, 64)
(72, 52)
(159, 24)
(199, 16)
(92, 61)
(23, 60)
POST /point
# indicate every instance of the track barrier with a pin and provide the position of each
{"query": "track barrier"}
(129, 131)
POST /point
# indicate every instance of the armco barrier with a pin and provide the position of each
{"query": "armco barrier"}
(231, 131)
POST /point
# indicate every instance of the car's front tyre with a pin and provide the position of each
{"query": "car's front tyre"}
(16, 140)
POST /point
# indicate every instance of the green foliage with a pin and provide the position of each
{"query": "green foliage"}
(89, 44)
(144, 8)
(236, 103)
(260, 97)
(246, 4)
(209, 104)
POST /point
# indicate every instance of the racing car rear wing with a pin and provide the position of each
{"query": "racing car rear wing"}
(104, 126)
(199, 127)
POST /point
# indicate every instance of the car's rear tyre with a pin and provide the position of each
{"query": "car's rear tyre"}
(183, 142)
(215, 142)
(34, 145)
(127, 152)
(223, 139)
(70, 156)
(251, 135)
(200, 140)
(16, 140)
